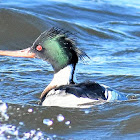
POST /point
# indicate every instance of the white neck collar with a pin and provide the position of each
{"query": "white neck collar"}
(63, 77)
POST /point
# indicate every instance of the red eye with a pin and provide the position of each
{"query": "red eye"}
(39, 48)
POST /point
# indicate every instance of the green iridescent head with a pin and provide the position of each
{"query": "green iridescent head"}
(55, 47)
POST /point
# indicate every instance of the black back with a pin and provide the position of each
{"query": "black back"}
(90, 90)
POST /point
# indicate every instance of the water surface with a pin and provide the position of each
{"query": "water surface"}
(108, 31)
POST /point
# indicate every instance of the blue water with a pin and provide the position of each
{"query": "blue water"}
(108, 31)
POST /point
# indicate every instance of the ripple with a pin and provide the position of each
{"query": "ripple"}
(130, 51)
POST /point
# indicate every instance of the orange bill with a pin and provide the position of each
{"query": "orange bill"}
(18, 53)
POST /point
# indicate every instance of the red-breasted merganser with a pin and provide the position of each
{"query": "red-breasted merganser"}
(55, 47)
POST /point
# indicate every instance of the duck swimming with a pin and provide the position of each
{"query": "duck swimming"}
(55, 47)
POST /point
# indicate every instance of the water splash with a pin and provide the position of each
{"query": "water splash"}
(48, 122)
(60, 118)
(67, 122)
(3, 111)
(30, 110)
